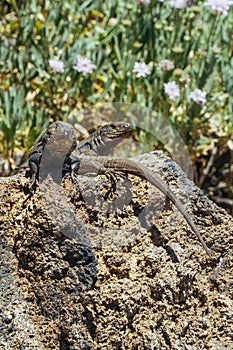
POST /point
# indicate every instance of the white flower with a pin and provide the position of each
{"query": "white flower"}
(219, 5)
(56, 65)
(141, 69)
(143, 2)
(179, 4)
(172, 90)
(84, 65)
(166, 65)
(198, 96)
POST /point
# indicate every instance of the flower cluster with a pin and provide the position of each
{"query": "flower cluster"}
(56, 65)
(179, 4)
(219, 5)
(172, 90)
(141, 68)
(83, 65)
(198, 96)
(166, 65)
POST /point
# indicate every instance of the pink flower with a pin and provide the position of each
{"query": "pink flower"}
(166, 65)
(172, 90)
(141, 68)
(198, 96)
(184, 79)
(84, 65)
(219, 5)
(179, 4)
(56, 65)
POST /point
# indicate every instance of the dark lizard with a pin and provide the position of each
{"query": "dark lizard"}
(50, 153)
(106, 165)
(51, 157)
(59, 141)
(100, 143)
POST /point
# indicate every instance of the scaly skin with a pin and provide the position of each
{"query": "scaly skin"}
(50, 153)
(104, 139)
(106, 165)
(57, 152)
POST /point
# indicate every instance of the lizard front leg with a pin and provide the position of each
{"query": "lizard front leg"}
(54, 148)
(34, 163)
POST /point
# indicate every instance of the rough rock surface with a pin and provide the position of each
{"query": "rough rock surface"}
(79, 271)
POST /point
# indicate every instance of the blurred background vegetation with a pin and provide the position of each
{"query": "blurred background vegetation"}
(114, 35)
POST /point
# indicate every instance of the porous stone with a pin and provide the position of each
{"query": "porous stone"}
(81, 270)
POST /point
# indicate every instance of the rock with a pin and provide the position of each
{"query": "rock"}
(80, 271)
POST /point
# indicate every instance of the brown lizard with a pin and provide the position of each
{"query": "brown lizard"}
(50, 154)
(106, 165)
(104, 139)
(99, 143)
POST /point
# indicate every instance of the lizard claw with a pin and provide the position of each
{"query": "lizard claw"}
(113, 181)
(113, 176)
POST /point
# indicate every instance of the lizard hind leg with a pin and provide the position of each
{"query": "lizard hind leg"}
(113, 175)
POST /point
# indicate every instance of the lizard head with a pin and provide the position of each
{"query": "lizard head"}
(110, 135)
(61, 133)
(104, 139)
(115, 131)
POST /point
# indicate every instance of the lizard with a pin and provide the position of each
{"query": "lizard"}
(48, 156)
(104, 139)
(106, 165)
(99, 143)
(59, 141)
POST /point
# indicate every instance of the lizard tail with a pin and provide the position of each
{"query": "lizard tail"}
(139, 170)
